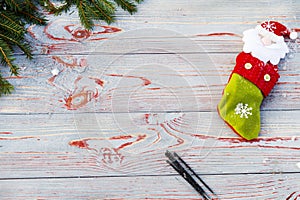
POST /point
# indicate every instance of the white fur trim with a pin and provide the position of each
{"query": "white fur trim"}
(293, 35)
(269, 34)
(254, 45)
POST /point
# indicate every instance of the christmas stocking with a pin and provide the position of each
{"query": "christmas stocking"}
(253, 77)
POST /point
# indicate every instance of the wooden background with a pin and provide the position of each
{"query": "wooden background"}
(127, 92)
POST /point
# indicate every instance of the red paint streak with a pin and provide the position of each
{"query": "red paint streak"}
(82, 62)
(70, 61)
(17, 77)
(158, 135)
(68, 103)
(75, 101)
(29, 99)
(29, 30)
(146, 81)
(279, 147)
(203, 137)
(261, 146)
(98, 81)
(108, 29)
(67, 64)
(84, 145)
(172, 128)
(178, 121)
(77, 79)
(274, 139)
(79, 33)
(78, 99)
(251, 146)
(47, 49)
(139, 138)
(153, 88)
(96, 39)
(242, 140)
(17, 138)
(36, 157)
(179, 140)
(219, 34)
(147, 118)
(6, 133)
(121, 137)
(51, 80)
(79, 143)
(49, 35)
(111, 156)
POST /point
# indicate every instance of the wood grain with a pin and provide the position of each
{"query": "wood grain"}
(251, 186)
(127, 92)
(189, 82)
(134, 143)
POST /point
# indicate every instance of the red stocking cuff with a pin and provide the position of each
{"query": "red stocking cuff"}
(264, 76)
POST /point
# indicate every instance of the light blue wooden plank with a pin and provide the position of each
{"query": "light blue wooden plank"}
(252, 186)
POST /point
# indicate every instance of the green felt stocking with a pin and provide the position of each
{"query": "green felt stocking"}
(240, 106)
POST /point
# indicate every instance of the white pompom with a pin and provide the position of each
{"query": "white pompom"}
(293, 35)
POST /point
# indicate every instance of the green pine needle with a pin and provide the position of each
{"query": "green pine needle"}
(126, 5)
(15, 14)
(5, 86)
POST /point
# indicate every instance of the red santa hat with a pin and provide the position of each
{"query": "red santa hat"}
(275, 31)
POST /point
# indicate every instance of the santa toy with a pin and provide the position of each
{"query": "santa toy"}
(253, 77)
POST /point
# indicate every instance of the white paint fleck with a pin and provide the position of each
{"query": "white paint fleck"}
(284, 67)
(290, 55)
(266, 160)
(55, 71)
(298, 165)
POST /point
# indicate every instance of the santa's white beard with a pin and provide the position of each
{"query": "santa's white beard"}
(254, 45)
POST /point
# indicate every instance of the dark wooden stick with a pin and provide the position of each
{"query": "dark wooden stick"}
(175, 161)
(193, 172)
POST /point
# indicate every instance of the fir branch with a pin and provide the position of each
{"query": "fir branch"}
(106, 4)
(106, 9)
(9, 25)
(24, 47)
(84, 19)
(56, 10)
(33, 18)
(15, 14)
(126, 5)
(12, 4)
(6, 55)
(29, 4)
(90, 10)
(5, 86)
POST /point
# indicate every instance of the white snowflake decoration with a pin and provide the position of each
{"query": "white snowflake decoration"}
(243, 110)
(269, 26)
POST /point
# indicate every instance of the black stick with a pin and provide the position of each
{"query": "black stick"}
(185, 174)
(193, 172)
